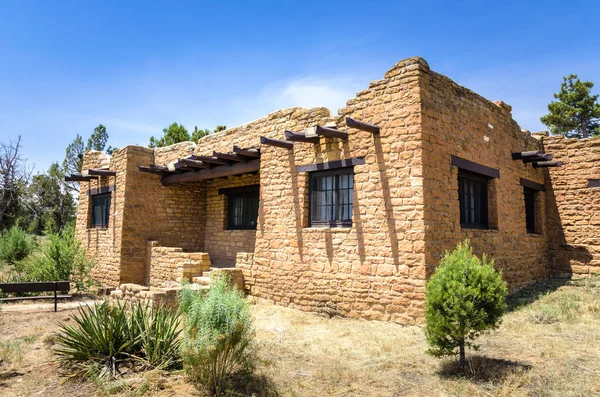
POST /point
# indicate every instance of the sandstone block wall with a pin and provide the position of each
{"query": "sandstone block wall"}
(169, 265)
(456, 121)
(221, 243)
(103, 244)
(405, 214)
(573, 207)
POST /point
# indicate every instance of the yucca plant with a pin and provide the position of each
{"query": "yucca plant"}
(101, 337)
(107, 336)
(158, 331)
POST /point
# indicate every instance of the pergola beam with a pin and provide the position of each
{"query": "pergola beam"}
(228, 157)
(98, 172)
(209, 160)
(79, 178)
(299, 137)
(217, 172)
(361, 125)
(253, 153)
(193, 163)
(276, 142)
(331, 132)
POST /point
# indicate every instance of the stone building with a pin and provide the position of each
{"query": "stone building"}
(348, 214)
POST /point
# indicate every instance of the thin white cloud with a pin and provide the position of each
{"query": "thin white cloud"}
(307, 92)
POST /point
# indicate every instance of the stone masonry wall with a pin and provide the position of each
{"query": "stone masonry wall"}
(223, 244)
(456, 121)
(375, 269)
(573, 206)
(171, 215)
(103, 244)
(169, 265)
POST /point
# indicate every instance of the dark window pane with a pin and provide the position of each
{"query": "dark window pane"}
(473, 199)
(331, 197)
(529, 209)
(242, 211)
(100, 210)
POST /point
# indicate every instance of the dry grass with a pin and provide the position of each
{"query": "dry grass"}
(548, 345)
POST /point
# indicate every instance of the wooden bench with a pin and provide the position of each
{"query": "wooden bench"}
(50, 286)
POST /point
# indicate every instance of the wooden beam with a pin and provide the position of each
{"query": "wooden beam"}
(254, 153)
(276, 142)
(361, 125)
(240, 189)
(102, 172)
(210, 160)
(229, 157)
(593, 182)
(331, 132)
(523, 155)
(80, 178)
(193, 163)
(474, 167)
(101, 190)
(155, 169)
(331, 165)
(532, 185)
(298, 137)
(546, 164)
(213, 173)
(544, 157)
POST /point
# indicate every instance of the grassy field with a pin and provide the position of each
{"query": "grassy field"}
(548, 345)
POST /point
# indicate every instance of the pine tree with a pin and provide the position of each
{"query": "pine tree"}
(576, 114)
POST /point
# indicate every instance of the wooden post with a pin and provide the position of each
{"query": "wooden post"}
(55, 297)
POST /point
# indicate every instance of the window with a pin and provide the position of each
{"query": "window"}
(331, 196)
(529, 209)
(100, 210)
(473, 199)
(242, 210)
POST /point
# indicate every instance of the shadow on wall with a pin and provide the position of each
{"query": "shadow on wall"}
(387, 200)
(562, 255)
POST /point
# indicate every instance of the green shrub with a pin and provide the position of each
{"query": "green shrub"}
(61, 257)
(465, 296)
(105, 337)
(15, 245)
(218, 335)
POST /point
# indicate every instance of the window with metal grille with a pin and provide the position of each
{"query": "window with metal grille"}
(473, 199)
(242, 210)
(100, 210)
(331, 197)
(529, 209)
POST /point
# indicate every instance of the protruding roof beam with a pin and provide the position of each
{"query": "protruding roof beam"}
(209, 160)
(543, 157)
(361, 125)
(276, 142)
(79, 178)
(525, 155)
(546, 164)
(217, 172)
(151, 170)
(99, 172)
(253, 153)
(299, 137)
(228, 157)
(193, 163)
(331, 132)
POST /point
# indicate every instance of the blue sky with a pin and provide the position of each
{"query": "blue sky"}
(66, 66)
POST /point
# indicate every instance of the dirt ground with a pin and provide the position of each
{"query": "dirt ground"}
(548, 345)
